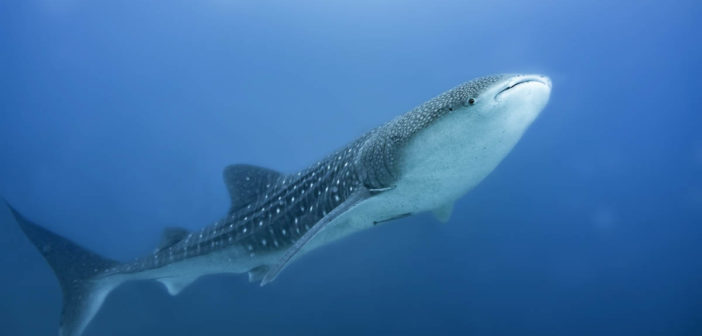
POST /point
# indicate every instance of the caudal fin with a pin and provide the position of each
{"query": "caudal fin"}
(79, 272)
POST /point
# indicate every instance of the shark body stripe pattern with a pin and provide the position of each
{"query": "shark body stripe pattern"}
(421, 161)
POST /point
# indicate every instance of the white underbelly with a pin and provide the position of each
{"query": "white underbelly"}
(438, 166)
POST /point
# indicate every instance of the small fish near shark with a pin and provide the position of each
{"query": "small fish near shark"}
(421, 161)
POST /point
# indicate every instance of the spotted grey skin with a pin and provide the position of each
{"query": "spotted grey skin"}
(283, 208)
(378, 157)
(280, 209)
(420, 161)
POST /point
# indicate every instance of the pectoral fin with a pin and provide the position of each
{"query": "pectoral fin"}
(443, 213)
(357, 197)
(257, 273)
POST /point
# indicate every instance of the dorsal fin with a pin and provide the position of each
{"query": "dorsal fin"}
(171, 236)
(246, 182)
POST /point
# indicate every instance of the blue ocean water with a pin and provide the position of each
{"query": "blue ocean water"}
(116, 119)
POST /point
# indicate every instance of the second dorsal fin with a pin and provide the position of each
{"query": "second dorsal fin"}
(246, 183)
(171, 236)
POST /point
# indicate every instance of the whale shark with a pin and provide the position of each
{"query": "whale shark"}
(421, 161)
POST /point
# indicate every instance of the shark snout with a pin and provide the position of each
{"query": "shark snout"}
(532, 82)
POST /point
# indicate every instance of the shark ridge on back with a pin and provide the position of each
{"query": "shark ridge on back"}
(420, 161)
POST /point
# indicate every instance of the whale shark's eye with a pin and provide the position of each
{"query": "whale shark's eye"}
(471, 101)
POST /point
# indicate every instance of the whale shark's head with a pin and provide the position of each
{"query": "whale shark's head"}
(447, 145)
(517, 98)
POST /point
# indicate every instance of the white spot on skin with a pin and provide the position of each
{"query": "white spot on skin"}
(277, 210)
(284, 232)
(336, 198)
(263, 242)
(295, 220)
(260, 223)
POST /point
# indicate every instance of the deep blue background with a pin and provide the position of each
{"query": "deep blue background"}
(116, 119)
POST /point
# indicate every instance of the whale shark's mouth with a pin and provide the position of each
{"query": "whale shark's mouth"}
(525, 80)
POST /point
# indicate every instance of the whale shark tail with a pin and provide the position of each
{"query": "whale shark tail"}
(81, 274)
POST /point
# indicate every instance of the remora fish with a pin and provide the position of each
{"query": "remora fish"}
(421, 161)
